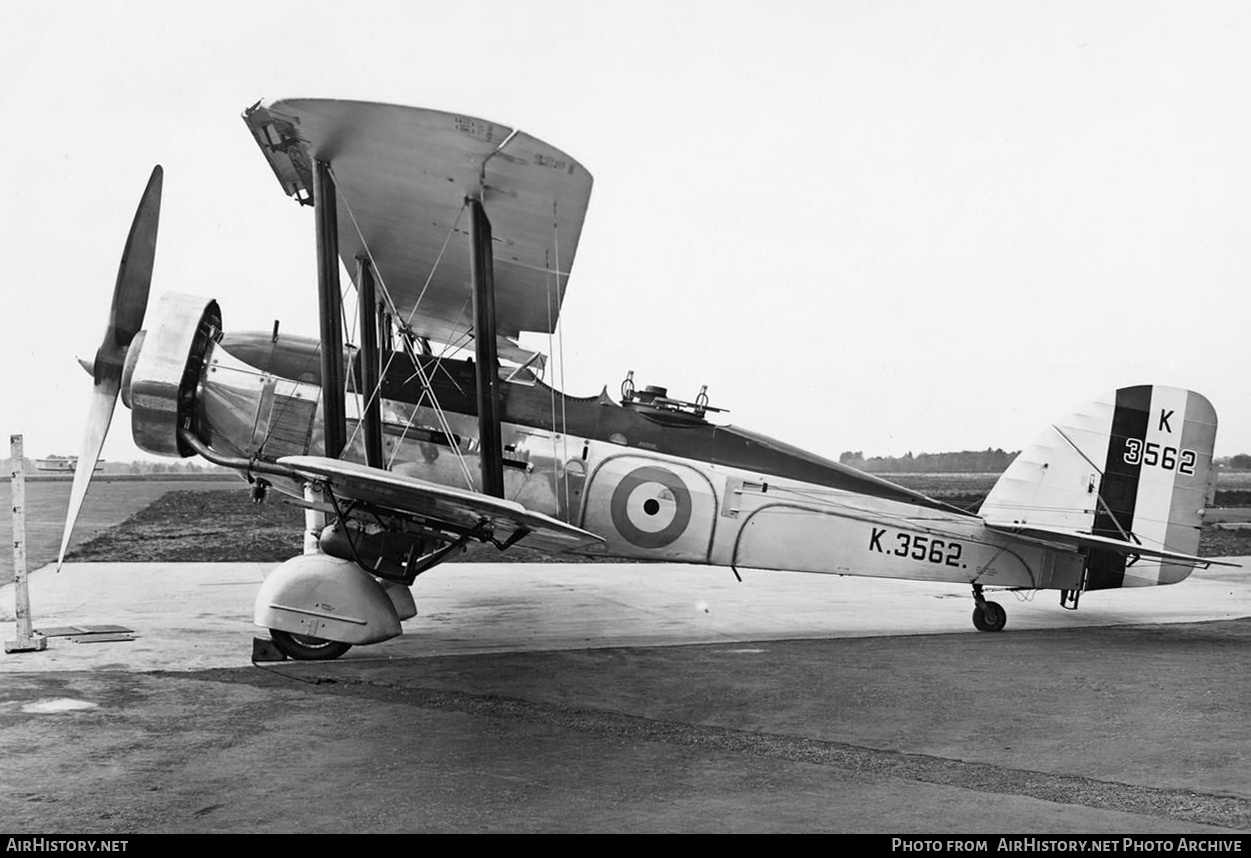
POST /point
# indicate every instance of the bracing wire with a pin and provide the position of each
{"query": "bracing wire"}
(406, 331)
(349, 379)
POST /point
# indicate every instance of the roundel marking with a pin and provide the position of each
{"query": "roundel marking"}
(651, 507)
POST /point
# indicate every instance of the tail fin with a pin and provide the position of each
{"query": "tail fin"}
(1135, 466)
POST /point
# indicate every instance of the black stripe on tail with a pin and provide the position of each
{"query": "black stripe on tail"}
(1119, 487)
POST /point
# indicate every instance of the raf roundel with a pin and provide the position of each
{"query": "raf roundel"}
(651, 507)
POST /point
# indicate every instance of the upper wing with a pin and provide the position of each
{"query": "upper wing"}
(464, 510)
(402, 176)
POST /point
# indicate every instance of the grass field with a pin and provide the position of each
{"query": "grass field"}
(108, 504)
(189, 521)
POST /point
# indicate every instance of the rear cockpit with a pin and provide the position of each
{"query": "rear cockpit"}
(654, 402)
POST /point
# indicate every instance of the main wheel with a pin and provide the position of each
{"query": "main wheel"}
(305, 648)
(989, 617)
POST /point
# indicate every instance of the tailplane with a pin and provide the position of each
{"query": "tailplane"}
(1133, 469)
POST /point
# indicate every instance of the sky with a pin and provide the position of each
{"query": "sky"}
(879, 226)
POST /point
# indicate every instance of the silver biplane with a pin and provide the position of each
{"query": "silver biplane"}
(459, 235)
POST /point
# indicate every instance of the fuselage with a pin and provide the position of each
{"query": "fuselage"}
(656, 484)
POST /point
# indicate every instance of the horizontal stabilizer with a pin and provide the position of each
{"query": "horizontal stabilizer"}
(1074, 539)
(457, 508)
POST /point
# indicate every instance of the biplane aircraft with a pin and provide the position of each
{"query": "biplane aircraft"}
(459, 235)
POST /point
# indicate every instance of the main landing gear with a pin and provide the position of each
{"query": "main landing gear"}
(307, 648)
(987, 616)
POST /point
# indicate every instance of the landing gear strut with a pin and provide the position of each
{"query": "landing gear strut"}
(987, 616)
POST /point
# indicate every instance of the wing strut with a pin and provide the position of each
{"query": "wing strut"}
(369, 360)
(486, 360)
(330, 308)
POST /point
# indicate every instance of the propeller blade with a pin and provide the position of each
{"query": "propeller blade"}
(134, 277)
(103, 401)
(130, 304)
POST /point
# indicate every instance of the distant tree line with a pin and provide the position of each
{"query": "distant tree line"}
(173, 466)
(989, 461)
(965, 462)
(186, 466)
(974, 462)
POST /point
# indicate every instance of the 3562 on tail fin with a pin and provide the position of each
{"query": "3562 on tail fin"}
(1126, 476)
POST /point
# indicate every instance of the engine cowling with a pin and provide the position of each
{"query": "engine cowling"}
(163, 370)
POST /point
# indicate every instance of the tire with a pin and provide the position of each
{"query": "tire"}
(305, 648)
(992, 618)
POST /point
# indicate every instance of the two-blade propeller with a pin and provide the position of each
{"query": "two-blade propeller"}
(130, 303)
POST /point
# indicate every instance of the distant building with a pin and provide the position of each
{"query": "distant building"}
(62, 464)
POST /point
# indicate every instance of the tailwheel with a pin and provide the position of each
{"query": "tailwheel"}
(989, 617)
(306, 648)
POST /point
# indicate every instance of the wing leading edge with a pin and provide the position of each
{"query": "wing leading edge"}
(403, 175)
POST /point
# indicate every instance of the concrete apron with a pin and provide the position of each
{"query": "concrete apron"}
(192, 616)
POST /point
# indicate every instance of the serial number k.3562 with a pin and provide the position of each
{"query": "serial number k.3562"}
(916, 547)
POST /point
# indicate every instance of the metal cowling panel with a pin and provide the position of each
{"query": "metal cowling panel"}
(162, 383)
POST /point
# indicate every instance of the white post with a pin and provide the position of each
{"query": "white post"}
(26, 641)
